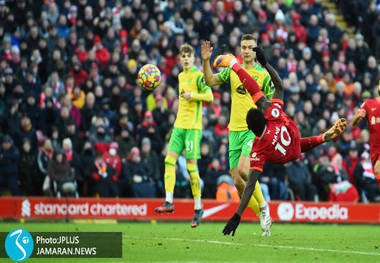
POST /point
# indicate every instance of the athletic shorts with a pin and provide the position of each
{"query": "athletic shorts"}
(188, 139)
(240, 143)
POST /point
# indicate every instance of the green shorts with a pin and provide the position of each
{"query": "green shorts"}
(188, 139)
(240, 143)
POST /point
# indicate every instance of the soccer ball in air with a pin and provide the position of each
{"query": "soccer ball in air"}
(149, 77)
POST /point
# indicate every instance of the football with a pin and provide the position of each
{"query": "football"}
(149, 77)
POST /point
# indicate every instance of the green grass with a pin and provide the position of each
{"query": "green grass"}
(177, 242)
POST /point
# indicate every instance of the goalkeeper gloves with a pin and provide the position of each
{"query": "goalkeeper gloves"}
(232, 224)
(260, 55)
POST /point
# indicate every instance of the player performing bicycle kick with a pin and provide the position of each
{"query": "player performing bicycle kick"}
(282, 142)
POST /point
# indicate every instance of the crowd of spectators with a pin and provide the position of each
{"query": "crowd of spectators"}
(68, 94)
(364, 16)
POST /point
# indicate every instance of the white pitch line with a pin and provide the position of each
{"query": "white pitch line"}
(257, 245)
(184, 239)
(321, 249)
(184, 261)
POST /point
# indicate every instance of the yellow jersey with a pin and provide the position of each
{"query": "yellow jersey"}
(189, 114)
(241, 100)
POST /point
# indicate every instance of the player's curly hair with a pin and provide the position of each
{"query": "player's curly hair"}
(256, 121)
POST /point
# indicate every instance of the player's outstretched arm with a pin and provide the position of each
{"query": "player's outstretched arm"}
(360, 114)
(205, 96)
(279, 92)
(233, 223)
(210, 78)
(248, 190)
(279, 88)
(204, 93)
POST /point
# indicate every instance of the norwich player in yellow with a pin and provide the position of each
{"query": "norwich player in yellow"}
(240, 137)
(187, 132)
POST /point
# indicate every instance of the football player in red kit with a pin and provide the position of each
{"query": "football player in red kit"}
(277, 136)
(370, 109)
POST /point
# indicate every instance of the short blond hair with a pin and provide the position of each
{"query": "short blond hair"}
(186, 48)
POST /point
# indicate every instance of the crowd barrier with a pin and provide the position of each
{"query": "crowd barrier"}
(143, 209)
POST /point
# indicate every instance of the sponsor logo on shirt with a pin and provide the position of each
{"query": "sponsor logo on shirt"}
(241, 90)
(254, 157)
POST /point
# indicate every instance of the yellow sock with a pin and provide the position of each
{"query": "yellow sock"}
(258, 194)
(254, 206)
(256, 200)
(195, 181)
(170, 173)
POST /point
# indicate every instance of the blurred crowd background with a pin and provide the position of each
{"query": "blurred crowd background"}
(72, 118)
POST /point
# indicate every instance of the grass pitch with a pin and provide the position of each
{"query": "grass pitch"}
(178, 242)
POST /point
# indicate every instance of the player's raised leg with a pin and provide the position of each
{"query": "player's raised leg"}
(337, 129)
(223, 61)
(249, 83)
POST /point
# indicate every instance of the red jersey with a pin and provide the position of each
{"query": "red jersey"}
(113, 161)
(280, 140)
(372, 109)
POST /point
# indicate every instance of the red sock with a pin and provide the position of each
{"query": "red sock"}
(309, 143)
(249, 83)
